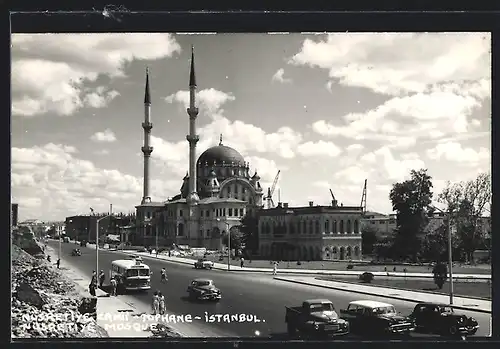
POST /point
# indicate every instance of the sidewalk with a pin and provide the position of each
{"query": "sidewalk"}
(116, 317)
(463, 303)
(221, 266)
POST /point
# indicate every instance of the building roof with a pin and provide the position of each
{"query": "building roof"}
(212, 200)
(371, 304)
(219, 154)
(151, 204)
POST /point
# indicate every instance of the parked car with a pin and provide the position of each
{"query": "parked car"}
(317, 318)
(203, 264)
(441, 319)
(76, 252)
(204, 289)
(376, 319)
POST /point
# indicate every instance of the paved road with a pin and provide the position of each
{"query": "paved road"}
(255, 294)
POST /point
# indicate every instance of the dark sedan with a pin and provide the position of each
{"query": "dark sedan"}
(204, 290)
(442, 319)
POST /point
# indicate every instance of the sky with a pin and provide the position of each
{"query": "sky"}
(328, 110)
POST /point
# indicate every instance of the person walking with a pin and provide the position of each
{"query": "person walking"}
(275, 268)
(58, 263)
(161, 303)
(242, 262)
(93, 285)
(114, 284)
(102, 277)
(155, 303)
(163, 274)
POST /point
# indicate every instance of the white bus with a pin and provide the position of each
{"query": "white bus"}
(131, 274)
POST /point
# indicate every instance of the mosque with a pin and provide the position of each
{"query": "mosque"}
(215, 194)
(218, 190)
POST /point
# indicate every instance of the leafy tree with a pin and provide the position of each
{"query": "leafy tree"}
(435, 244)
(249, 230)
(236, 238)
(466, 204)
(411, 200)
(440, 272)
(369, 238)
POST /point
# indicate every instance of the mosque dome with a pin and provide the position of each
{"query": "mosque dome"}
(219, 154)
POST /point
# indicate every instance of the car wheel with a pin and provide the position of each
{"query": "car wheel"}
(453, 330)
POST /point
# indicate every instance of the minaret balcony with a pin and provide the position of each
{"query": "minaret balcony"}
(192, 111)
(193, 139)
(147, 126)
(147, 150)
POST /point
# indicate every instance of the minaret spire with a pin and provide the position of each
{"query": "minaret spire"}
(146, 148)
(192, 75)
(192, 137)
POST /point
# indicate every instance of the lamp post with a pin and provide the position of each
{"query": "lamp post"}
(228, 244)
(450, 251)
(97, 242)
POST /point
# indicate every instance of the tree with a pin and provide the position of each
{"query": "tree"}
(440, 272)
(236, 238)
(466, 203)
(411, 201)
(368, 238)
(435, 244)
(249, 230)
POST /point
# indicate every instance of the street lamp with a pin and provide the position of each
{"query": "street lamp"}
(450, 252)
(97, 242)
(228, 244)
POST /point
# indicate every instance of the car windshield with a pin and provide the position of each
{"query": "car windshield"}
(384, 310)
(203, 283)
(321, 307)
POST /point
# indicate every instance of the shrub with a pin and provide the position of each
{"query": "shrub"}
(366, 277)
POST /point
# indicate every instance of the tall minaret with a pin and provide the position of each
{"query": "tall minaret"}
(146, 149)
(192, 137)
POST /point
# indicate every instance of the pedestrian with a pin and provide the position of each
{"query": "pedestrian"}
(394, 269)
(242, 262)
(155, 304)
(161, 303)
(102, 277)
(113, 286)
(58, 263)
(92, 287)
(156, 253)
(169, 253)
(275, 268)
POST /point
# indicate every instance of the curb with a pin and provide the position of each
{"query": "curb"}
(405, 289)
(378, 295)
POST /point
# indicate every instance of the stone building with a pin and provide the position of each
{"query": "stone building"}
(310, 233)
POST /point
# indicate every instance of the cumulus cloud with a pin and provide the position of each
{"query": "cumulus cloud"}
(107, 136)
(279, 76)
(453, 151)
(50, 181)
(48, 70)
(319, 148)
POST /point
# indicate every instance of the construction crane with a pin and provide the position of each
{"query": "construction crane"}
(270, 191)
(334, 201)
(363, 199)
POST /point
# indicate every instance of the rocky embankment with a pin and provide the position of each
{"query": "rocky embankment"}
(45, 304)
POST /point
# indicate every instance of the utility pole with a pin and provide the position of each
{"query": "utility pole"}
(450, 257)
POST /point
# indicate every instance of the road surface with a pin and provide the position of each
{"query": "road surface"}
(242, 293)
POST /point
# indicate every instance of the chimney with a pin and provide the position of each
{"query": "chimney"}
(285, 205)
(311, 203)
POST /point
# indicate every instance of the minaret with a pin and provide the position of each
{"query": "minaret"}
(192, 137)
(146, 149)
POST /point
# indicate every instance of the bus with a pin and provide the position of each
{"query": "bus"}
(132, 275)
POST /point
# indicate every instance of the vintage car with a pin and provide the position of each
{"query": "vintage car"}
(376, 319)
(441, 319)
(316, 318)
(76, 252)
(203, 264)
(204, 290)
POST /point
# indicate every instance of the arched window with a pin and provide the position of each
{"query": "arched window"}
(334, 249)
(356, 251)
(341, 229)
(349, 226)
(317, 227)
(327, 226)
(356, 227)
(334, 227)
(348, 251)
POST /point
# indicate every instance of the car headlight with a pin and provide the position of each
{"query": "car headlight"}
(316, 326)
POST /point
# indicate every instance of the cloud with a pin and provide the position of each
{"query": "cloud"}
(50, 181)
(279, 76)
(399, 63)
(319, 148)
(453, 151)
(107, 136)
(209, 101)
(49, 70)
